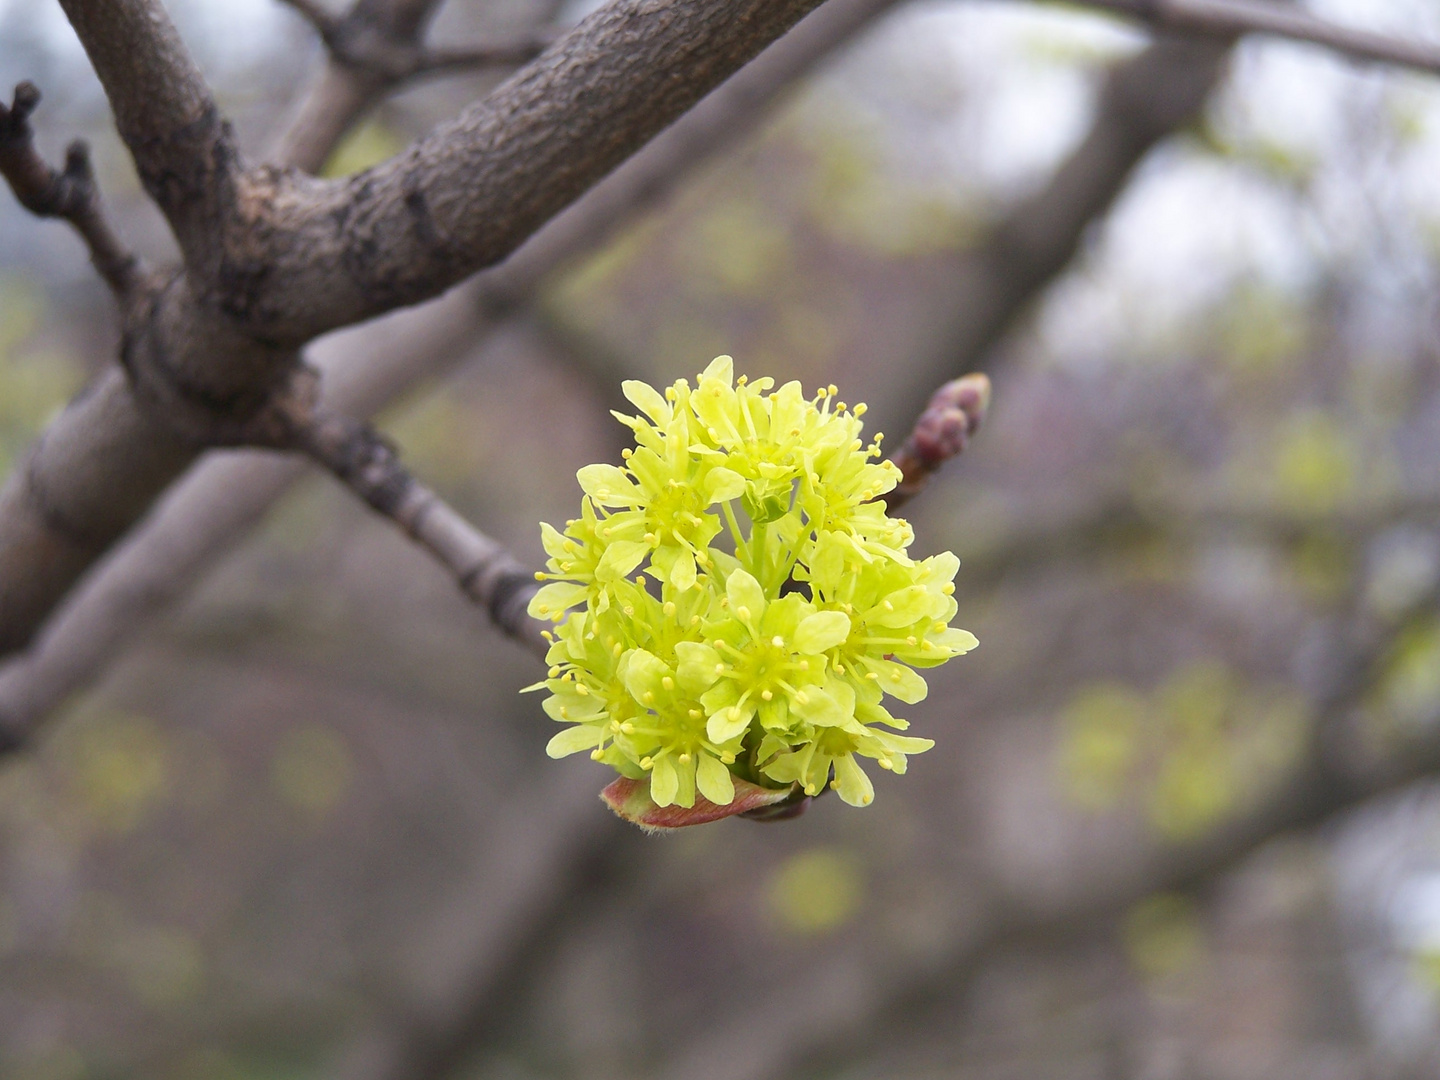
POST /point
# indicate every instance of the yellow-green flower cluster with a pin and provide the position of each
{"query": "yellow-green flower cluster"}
(744, 602)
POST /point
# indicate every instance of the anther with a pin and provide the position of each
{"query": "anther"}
(766, 695)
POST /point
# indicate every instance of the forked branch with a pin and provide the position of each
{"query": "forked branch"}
(70, 193)
(357, 41)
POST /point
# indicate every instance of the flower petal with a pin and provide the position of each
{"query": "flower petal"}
(647, 399)
(555, 599)
(643, 674)
(852, 783)
(664, 781)
(899, 680)
(745, 592)
(821, 632)
(713, 780)
(608, 485)
(721, 484)
(573, 740)
(729, 722)
(695, 670)
(682, 573)
(815, 706)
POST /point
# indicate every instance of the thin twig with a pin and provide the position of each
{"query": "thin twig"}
(943, 430)
(518, 50)
(370, 54)
(70, 194)
(369, 466)
(1231, 18)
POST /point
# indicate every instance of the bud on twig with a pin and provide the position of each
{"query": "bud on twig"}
(955, 413)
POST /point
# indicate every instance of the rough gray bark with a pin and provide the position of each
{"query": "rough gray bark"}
(273, 258)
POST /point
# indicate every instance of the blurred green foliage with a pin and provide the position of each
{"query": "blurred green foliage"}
(1266, 155)
(1187, 752)
(1162, 935)
(118, 768)
(312, 769)
(34, 383)
(366, 146)
(1261, 328)
(816, 891)
(853, 198)
(1409, 690)
(1316, 463)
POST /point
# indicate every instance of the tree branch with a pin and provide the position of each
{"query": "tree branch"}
(370, 51)
(220, 340)
(222, 500)
(163, 110)
(486, 573)
(1232, 18)
(316, 14)
(70, 194)
(467, 195)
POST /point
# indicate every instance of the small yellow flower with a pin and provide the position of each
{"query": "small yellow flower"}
(735, 602)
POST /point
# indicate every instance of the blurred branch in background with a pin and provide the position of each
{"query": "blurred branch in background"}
(1144, 101)
(1231, 18)
(372, 50)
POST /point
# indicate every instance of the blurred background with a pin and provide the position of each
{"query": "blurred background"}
(304, 828)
